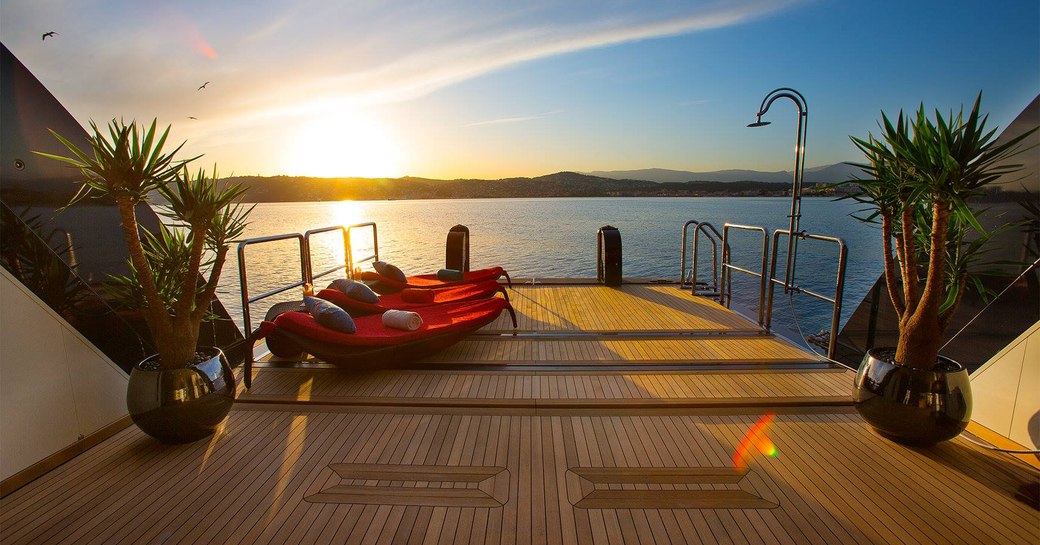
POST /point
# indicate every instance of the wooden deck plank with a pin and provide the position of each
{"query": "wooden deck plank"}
(501, 385)
(482, 455)
(593, 307)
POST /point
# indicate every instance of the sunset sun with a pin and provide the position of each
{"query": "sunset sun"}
(343, 145)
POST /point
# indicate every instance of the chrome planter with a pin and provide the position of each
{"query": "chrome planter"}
(912, 406)
(181, 405)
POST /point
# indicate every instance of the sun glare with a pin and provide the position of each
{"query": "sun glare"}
(344, 145)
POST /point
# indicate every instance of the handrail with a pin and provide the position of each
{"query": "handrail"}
(839, 288)
(244, 286)
(346, 251)
(351, 264)
(725, 293)
(682, 255)
(714, 256)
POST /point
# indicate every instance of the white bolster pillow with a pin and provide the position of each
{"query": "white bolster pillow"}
(402, 319)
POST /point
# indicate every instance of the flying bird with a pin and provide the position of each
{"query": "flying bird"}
(193, 117)
(46, 35)
(203, 86)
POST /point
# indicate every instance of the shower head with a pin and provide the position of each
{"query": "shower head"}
(759, 123)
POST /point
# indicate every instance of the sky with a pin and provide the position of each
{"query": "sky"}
(494, 89)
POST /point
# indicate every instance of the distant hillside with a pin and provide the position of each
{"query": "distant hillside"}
(837, 172)
(561, 184)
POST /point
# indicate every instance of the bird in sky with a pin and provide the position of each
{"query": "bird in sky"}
(46, 35)
(193, 117)
(203, 86)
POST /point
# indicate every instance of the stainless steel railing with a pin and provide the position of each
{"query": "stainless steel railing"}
(767, 277)
(243, 281)
(351, 263)
(714, 237)
(307, 275)
(725, 293)
(346, 251)
(839, 288)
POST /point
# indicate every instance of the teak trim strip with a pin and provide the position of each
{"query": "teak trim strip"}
(39, 469)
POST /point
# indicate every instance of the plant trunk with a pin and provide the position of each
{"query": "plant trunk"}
(919, 340)
(154, 311)
(178, 349)
(921, 330)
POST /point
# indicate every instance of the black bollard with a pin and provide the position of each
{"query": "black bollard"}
(608, 256)
(456, 250)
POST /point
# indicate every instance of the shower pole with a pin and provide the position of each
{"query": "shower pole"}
(799, 170)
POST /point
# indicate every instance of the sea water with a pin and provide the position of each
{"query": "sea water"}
(556, 238)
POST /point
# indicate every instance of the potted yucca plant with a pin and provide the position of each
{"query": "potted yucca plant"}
(184, 391)
(924, 174)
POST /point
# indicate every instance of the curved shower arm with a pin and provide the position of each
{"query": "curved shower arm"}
(784, 92)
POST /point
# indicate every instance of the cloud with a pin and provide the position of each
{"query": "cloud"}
(444, 58)
(505, 120)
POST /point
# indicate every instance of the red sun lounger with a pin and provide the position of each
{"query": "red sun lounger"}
(374, 344)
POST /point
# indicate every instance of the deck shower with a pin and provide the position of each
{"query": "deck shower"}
(799, 169)
(766, 275)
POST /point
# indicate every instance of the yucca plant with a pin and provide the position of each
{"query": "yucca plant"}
(923, 175)
(129, 166)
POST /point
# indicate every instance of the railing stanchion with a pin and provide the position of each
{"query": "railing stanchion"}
(700, 227)
(351, 264)
(728, 266)
(307, 275)
(244, 288)
(839, 288)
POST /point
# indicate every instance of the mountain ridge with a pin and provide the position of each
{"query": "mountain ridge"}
(837, 172)
(559, 184)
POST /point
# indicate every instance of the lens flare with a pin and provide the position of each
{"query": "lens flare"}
(201, 46)
(755, 439)
(187, 31)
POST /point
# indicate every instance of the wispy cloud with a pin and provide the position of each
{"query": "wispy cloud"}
(365, 52)
(519, 119)
(323, 59)
(450, 57)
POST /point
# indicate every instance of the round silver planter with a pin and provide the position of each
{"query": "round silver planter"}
(185, 404)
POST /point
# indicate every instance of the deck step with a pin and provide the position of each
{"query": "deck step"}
(558, 391)
(552, 406)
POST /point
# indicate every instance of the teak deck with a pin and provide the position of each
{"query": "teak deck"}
(540, 440)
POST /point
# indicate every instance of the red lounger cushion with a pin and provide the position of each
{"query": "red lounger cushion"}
(437, 320)
(431, 280)
(417, 296)
(446, 294)
(400, 300)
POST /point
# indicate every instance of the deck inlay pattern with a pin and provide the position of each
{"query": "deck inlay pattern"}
(250, 485)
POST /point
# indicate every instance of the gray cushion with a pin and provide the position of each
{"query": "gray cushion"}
(340, 284)
(389, 271)
(355, 290)
(449, 275)
(330, 315)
